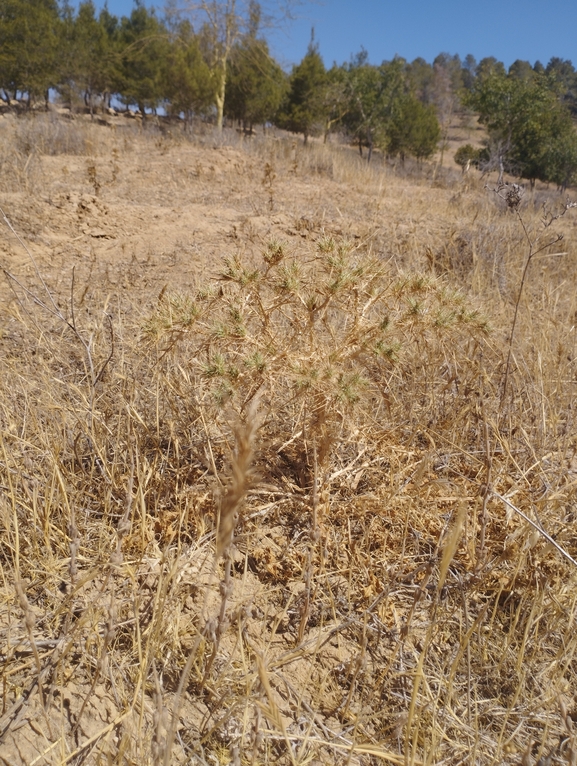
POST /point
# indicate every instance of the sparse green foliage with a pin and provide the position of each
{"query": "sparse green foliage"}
(413, 130)
(336, 99)
(187, 80)
(563, 73)
(210, 60)
(220, 23)
(468, 156)
(256, 84)
(29, 38)
(304, 110)
(530, 130)
(374, 94)
(383, 111)
(522, 70)
(421, 77)
(144, 42)
(90, 58)
(562, 159)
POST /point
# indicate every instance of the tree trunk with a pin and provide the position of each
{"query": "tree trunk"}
(443, 145)
(328, 127)
(370, 142)
(220, 93)
(501, 170)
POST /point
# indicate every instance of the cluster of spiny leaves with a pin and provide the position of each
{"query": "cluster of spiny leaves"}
(319, 330)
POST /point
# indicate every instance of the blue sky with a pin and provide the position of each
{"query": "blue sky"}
(508, 30)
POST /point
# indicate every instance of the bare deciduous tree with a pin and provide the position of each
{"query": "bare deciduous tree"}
(223, 22)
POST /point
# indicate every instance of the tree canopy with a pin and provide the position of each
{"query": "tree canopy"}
(531, 133)
(304, 110)
(188, 85)
(29, 43)
(256, 83)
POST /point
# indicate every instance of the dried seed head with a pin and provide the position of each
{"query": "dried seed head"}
(513, 196)
(240, 478)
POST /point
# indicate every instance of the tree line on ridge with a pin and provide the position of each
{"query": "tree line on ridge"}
(218, 67)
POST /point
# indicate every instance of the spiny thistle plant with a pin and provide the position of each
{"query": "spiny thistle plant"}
(315, 334)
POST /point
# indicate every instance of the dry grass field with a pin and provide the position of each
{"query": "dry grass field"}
(288, 460)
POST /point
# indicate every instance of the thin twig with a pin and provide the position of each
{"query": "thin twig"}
(535, 526)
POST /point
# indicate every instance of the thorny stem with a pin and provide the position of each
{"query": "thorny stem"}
(532, 253)
(513, 194)
(487, 488)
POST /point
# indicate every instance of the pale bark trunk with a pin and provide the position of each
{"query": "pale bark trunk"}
(219, 97)
(222, 19)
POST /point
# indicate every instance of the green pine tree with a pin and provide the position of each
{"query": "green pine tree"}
(530, 128)
(29, 36)
(187, 80)
(413, 129)
(305, 110)
(375, 94)
(87, 56)
(145, 47)
(256, 84)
